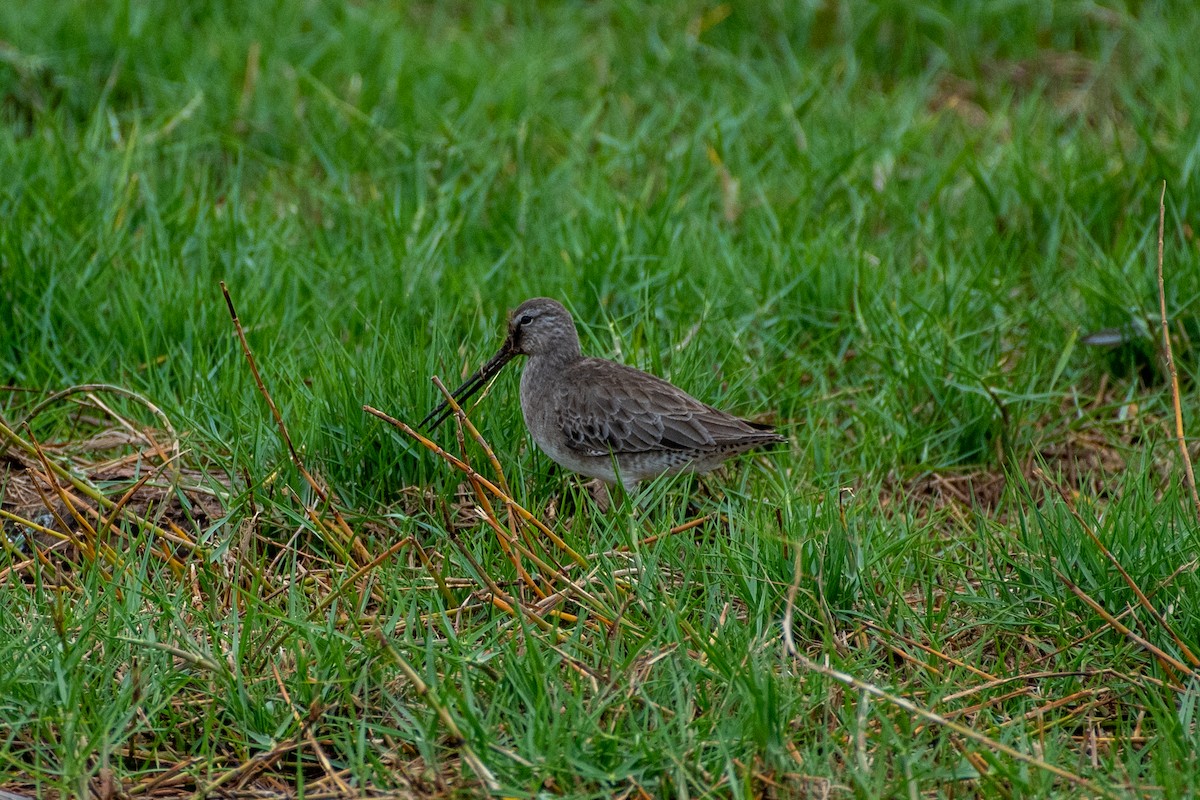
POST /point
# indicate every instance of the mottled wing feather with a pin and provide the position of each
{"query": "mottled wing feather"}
(625, 411)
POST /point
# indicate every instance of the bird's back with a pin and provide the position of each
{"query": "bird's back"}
(603, 408)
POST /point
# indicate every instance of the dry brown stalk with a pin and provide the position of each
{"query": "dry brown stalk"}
(682, 528)
(39, 553)
(503, 535)
(90, 389)
(247, 770)
(1189, 474)
(911, 707)
(434, 573)
(106, 523)
(70, 535)
(1166, 658)
(145, 435)
(930, 650)
(305, 725)
(468, 470)
(360, 573)
(1027, 676)
(981, 766)
(360, 552)
(164, 778)
(431, 700)
(31, 452)
(88, 545)
(552, 572)
(34, 526)
(966, 711)
(1057, 703)
(941, 721)
(501, 480)
(329, 535)
(1143, 599)
(573, 587)
(500, 598)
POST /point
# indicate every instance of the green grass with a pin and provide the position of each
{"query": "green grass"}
(885, 226)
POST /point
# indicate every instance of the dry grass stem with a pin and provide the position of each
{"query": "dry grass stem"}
(360, 552)
(469, 471)
(1189, 474)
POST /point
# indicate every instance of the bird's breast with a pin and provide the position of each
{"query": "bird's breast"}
(539, 387)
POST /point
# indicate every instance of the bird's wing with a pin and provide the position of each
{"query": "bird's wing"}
(625, 410)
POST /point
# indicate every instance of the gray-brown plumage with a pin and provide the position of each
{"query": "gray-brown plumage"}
(602, 419)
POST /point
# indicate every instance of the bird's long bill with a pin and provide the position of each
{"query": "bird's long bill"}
(470, 386)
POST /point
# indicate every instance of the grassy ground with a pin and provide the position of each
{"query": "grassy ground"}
(885, 226)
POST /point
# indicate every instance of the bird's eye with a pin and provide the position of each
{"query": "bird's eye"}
(525, 319)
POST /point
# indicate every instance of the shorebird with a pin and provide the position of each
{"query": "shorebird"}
(603, 419)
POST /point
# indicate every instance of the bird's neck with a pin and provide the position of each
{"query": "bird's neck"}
(557, 359)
